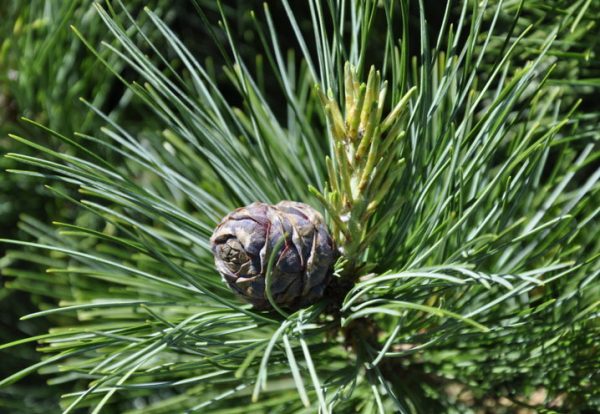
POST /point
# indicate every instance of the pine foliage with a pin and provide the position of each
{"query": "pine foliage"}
(471, 281)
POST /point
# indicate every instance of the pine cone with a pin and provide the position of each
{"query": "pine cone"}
(244, 241)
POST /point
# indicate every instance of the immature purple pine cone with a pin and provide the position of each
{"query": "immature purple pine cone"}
(244, 241)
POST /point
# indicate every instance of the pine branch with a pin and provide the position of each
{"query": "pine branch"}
(462, 194)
